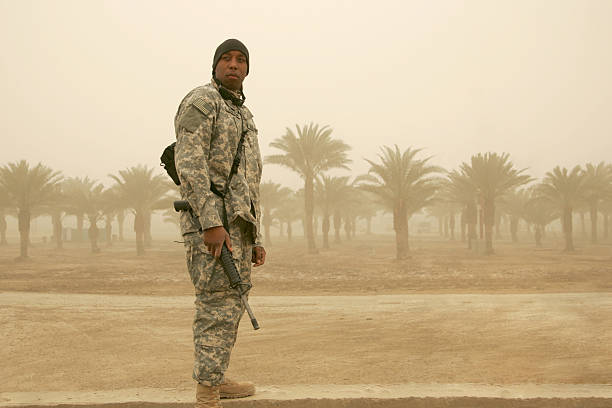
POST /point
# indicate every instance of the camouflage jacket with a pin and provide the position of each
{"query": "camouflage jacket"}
(208, 129)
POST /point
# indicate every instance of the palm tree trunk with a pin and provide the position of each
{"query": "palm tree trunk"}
(489, 220)
(148, 238)
(606, 218)
(309, 211)
(337, 225)
(140, 246)
(489, 239)
(93, 237)
(471, 220)
(463, 221)
(583, 224)
(3, 229)
(451, 225)
(56, 219)
(538, 235)
(325, 227)
(445, 226)
(481, 222)
(267, 238)
(514, 228)
(79, 218)
(471, 235)
(593, 211)
(347, 228)
(109, 230)
(498, 219)
(23, 219)
(139, 229)
(400, 224)
(289, 231)
(267, 220)
(120, 220)
(568, 229)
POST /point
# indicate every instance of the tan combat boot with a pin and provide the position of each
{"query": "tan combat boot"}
(207, 396)
(233, 389)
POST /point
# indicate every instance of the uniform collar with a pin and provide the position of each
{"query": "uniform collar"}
(237, 97)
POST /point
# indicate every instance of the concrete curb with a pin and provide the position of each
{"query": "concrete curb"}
(332, 396)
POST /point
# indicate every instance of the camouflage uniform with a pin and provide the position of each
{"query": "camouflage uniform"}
(208, 129)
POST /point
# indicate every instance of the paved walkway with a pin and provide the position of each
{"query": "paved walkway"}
(325, 394)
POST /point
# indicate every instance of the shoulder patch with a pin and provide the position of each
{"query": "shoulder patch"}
(202, 106)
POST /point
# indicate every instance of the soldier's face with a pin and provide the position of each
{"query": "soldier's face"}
(231, 69)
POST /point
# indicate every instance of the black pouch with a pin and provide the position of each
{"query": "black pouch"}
(167, 161)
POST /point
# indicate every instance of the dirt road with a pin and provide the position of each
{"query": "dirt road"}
(75, 323)
(105, 342)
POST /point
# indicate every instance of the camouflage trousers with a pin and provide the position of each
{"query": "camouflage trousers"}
(218, 308)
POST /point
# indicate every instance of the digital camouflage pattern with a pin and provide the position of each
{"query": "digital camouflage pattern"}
(218, 309)
(208, 129)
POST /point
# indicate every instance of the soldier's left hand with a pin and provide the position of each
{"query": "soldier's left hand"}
(259, 256)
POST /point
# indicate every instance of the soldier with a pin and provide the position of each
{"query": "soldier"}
(209, 124)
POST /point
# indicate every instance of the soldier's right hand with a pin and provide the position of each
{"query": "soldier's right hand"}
(214, 238)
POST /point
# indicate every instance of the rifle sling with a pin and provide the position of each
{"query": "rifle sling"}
(233, 170)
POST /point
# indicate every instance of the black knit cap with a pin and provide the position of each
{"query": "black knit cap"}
(230, 45)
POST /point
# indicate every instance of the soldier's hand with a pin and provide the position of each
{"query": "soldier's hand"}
(214, 238)
(259, 256)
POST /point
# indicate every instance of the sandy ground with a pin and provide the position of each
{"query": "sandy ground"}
(76, 322)
(104, 342)
(363, 266)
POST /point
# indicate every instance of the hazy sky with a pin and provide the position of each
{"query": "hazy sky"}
(91, 87)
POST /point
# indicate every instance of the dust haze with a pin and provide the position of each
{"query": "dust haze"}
(458, 232)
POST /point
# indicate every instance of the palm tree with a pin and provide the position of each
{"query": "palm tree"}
(87, 197)
(438, 210)
(289, 210)
(606, 209)
(56, 208)
(74, 188)
(366, 207)
(404, 185)
(120, 221)
(310, 153)
(272, 195)
(513, 203)
(95, 197)
(110, 207)
(539, 212)
(27, 189)
(597, 185)
(492, 175)
(329, 193)
(142, 192)
(4, 205)
(564, 189)
(457, 188)
(356, 203)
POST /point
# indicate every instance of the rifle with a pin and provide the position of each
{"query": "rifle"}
(232, 273)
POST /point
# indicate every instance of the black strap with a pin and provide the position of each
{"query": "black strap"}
(235, 164)
(169, 152)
